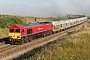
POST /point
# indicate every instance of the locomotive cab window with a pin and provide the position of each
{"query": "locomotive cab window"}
(22, 31)
(17, 31)
(11, 30)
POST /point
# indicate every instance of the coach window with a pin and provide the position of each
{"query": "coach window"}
(60, 25)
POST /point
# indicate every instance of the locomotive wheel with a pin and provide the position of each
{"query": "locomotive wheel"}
(20, 42)
(23, 40)
(26, 39)
(34, 37)
(44, 34)
(47, 33)
(30, 38)
(12, 42)
(50, 33)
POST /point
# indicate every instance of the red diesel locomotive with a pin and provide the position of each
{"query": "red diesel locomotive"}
(21, 33)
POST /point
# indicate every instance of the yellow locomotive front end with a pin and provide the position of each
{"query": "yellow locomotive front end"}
(14, 35)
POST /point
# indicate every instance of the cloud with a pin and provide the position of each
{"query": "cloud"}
(74, 6)
(54, 8)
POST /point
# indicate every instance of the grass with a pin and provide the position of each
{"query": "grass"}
(7, 20)
(3, 31)
(73, 47)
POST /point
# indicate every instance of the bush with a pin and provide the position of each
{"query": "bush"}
(7, 20)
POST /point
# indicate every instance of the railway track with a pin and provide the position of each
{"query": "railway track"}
(6, 47)
(9, 51)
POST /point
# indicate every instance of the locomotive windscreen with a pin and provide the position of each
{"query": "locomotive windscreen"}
(11, 30)
(15, 30)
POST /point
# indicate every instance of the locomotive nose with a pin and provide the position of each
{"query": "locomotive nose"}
(14, 35)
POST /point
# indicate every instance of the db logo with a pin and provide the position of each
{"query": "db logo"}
(40, 28)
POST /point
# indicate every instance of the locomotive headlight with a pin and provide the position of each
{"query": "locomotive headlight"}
(18, 36)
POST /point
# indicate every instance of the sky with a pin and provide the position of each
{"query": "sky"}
(44, 8)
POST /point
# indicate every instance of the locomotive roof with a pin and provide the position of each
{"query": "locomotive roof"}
(32, 24)
(35, 24)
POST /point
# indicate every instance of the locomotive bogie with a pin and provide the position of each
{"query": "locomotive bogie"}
(14, 41)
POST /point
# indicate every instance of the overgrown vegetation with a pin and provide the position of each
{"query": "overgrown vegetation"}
(72, 47)
(8, 20)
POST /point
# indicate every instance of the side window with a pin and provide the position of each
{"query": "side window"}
(22, 31)
(29, 31)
